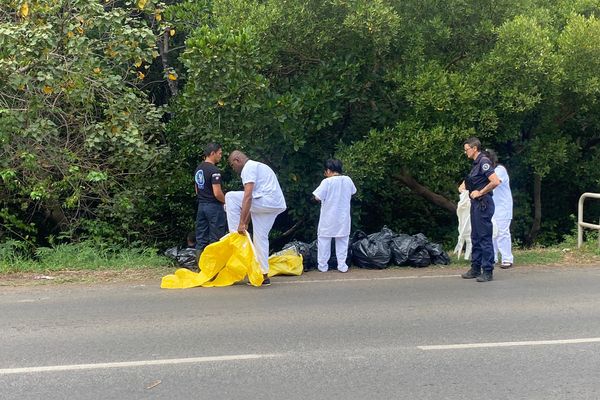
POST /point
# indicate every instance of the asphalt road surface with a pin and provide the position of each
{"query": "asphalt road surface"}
(533, 333)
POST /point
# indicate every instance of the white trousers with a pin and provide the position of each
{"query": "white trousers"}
(262, 221)
(324, 252)
(502, 241)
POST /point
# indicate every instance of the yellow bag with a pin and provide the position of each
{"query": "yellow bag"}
(222, 263)
(286, 262)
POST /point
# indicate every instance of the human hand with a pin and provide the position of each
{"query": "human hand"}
(242, 229)
(475, 194)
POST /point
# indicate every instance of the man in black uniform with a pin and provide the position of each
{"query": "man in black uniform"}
(210, 219)
(480, 182)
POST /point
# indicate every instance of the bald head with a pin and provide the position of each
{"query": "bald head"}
(237, 160)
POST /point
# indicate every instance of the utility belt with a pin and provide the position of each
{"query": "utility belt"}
(480, 203)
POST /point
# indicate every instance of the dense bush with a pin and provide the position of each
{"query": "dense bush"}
(390, 87)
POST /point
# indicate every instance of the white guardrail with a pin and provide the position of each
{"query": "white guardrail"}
(580, 223)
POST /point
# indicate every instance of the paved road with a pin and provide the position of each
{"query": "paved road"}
(362, 335)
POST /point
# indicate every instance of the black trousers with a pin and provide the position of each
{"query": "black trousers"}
(211, 224)
(482, 255)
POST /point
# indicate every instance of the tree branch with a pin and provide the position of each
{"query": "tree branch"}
(407, 180)
(163, 48)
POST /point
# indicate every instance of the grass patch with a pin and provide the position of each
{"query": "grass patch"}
(16, 257)
(566, 253)
(535, 256)
(538, 255)
(77, 256)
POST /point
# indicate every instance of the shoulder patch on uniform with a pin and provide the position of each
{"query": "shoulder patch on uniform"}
(485, 167)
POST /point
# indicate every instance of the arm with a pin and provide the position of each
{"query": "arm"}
(494, 181)
(320, 192)
(246, 204)
(218, 192)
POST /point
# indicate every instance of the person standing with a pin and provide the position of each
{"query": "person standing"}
(480, 183)
(334, 193)
(210, 218)
(502, 218)
(262, 201)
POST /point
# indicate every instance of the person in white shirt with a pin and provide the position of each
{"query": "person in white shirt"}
(334, 193)
(503, 214)
(262, 200)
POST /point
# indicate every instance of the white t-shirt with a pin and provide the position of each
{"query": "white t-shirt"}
(335, 193)
(503, 201)
(267, 192)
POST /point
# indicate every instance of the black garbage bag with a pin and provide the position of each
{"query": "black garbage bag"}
(333, 258)
(332, 262)
(314, 250)
(408, 250)
(419, 256)
(373, 251)
(437, 254)
(185, 257)
(171, 252)
(305, 250)
(402, 247)
(356, 236)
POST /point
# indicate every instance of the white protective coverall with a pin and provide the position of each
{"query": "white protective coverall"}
(463, 211)
(502, 217)
(267, 203)
(334, 193)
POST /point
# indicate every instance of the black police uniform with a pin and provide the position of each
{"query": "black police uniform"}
(482, 210)
(210, 218)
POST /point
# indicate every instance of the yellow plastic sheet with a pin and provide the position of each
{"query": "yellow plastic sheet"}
(222, 263)
(286, 262)
(229, 261)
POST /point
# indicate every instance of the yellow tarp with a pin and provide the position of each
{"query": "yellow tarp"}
(228, 261)
(286, 262)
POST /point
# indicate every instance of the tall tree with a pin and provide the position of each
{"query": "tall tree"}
(75, 129)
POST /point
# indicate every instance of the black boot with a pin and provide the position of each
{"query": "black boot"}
(470, 274)
(486, 276)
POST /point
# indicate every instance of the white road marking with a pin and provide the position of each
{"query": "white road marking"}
(387, 278)
(32, 300)
(508, 344)
(129, 364)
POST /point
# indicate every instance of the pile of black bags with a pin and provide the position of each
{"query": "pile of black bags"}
(185, 257)
(379, 250)
(308, 251)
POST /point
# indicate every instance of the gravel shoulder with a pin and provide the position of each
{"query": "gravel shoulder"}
(152, 276)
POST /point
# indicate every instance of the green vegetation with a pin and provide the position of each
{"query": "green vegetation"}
(80, 256)
(87, 257)
(105, 107)
(540, 255)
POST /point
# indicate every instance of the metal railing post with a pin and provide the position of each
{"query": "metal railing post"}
(580, 223)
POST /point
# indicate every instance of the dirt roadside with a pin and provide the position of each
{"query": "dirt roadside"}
(152, 276)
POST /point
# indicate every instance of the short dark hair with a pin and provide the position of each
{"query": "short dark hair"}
(334, 165)
(491, 154)
(473, 142)
(191, 237)
(211, 148)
